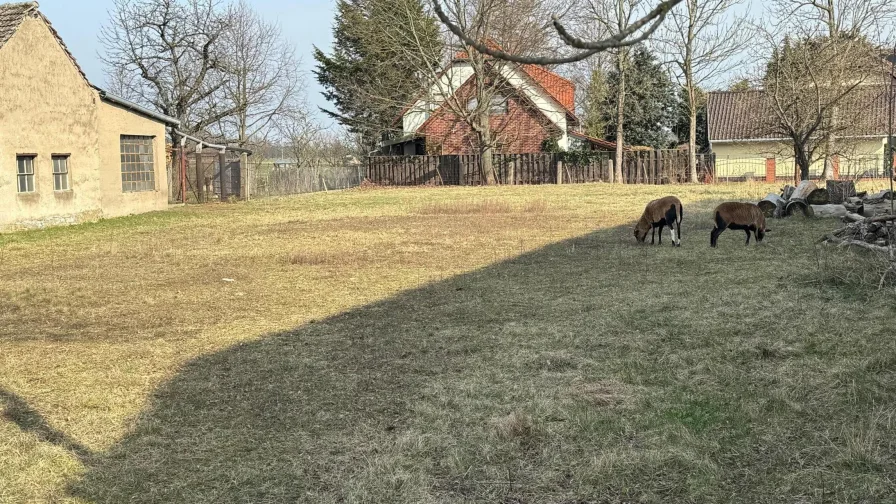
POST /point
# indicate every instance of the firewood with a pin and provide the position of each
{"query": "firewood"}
(773, 206)
(819, 197)
(803, 190)
(827, 211)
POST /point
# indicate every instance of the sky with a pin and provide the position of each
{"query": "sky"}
(304, 22)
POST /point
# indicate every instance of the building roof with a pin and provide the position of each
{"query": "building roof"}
(133, 107)
(603, 144)
(748, 115)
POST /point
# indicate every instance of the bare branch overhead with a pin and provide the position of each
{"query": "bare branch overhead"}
(634, 33)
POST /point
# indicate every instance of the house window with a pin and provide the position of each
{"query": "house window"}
(497, 105)
(25, 172)
(60, 173)
(137, 165)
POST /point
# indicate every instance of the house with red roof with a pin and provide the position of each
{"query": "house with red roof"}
(529, 105)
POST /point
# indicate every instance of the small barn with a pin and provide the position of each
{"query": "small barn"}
(69, 151)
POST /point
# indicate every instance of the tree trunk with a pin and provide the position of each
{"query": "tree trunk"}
(620, 117)
(692, 146)
(692, 89)
(485, 149)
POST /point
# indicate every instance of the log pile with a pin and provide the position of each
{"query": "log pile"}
(838, 200)
(876, 233)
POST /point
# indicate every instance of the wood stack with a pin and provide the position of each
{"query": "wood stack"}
(873, 233)
(838, 200)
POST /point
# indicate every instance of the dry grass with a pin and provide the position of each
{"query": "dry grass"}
(443, 345)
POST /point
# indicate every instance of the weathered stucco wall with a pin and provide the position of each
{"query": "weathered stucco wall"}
(739, 159)
(115, 121)
(46, 108)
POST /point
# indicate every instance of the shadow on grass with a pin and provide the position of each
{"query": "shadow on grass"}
(16, 410)
(579, 372)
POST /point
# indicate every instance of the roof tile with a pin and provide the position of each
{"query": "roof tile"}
(748, 115)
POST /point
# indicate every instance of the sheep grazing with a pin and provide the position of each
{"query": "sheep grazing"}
(659, 214)
(744, 216)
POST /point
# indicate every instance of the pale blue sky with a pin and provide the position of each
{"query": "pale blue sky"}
(304, 23)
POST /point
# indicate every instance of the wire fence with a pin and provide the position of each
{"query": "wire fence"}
(738, 169)
(268, 179)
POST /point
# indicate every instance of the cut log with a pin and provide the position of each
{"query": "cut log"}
(818, 197)
(797, 202)
(773, 206)
(803, 190)
(839, 190)
(875, 210)
(787, 191)
(852, 217)
(881, 197)
(827, 211)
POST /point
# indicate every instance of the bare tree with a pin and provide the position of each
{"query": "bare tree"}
(840, 21)
(174, 46)
(261, 81)
(613, 18)
(805, 82)
(701, 42)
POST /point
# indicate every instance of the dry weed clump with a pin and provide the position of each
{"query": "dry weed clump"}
(601, 394)
(515, 426)
(484, 207)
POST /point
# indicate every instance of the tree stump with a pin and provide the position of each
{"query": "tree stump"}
(839, 190)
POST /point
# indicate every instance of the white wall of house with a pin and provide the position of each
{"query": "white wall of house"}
(739, 158)
(450, 81)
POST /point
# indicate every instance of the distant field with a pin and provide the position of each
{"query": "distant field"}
(500, 345)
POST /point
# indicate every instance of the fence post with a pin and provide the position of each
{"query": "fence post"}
(200, 182)
(770, 168)
(559, 169)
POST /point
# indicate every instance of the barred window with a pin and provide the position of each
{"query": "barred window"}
(137, 166)
(25, 172)
(60, 173)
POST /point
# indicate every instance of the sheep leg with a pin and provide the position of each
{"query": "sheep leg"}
(653, 235)
(721, 225)
(748, 236)
(662, 226)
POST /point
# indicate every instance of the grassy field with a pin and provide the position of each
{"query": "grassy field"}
(501, 345)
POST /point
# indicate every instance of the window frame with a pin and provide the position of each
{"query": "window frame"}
(20, 175)
(138, 174)
(67, 173)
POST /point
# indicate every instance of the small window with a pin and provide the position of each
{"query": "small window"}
(60, 173)
(137, 164)
(25, 172)
(498, 105)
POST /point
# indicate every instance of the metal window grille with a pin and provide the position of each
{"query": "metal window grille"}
(25, 172)
(137, 164)
(60, 173)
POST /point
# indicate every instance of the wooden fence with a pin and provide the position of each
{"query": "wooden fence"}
(640, 167)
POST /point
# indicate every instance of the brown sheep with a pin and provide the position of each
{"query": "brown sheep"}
(659, 214)
(744, 216)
